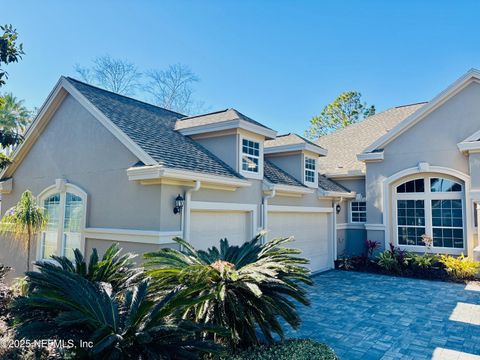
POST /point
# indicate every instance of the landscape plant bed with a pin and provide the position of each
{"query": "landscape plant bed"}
(294, 349)
(397, 262)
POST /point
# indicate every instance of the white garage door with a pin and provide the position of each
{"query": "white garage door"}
(208, 227)
(311, 232)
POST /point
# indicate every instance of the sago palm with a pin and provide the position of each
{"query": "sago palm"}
(113, 268)
(65, 305)
(246, 288)
(24, 221)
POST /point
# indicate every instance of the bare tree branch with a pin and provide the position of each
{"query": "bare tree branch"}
(119, 76)
(173, 88)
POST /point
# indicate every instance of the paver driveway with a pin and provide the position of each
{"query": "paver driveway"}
(367, 316)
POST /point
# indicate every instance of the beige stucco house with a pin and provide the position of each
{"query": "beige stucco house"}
(108, 168)
(415, 170)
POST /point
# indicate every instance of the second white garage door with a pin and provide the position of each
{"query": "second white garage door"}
(208, 227)
(311, 232)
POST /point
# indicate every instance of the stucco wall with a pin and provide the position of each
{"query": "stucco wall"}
(433, 140)
(224, 147)
(292, 164)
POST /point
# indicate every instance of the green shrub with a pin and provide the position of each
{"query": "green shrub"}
(288, 350)
(388, 262)
(460, 267)
(425, 261)
(247, 288)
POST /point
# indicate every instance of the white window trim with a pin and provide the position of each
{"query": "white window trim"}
(427, 196)
(315, 181)
(350, 211)
(62, 187)
(250, 174)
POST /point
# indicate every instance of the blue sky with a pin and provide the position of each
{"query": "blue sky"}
(278, 62)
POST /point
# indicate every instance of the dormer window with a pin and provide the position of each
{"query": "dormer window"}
(310, 175)
(250, 156)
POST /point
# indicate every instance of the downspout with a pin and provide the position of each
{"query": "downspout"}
(186, 209)
(334, 231)
(265, 211)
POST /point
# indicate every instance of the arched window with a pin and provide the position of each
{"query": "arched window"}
(65, 207)
(430, 205)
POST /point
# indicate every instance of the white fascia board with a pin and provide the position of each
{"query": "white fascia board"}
(295, 147)
(469, 146)
(371, 157)
(227, 125)
(471, 76)
(158, 171)
(356, 174)
(291, 189)
(336, 194)
(301, 209)
(130, 235)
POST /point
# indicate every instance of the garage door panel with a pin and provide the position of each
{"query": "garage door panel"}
(208, 227)
(310, 232)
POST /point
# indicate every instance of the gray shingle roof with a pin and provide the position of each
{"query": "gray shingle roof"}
(214, 117)
(344, 145)
(289, 139)
(275, 175)
(330, 185)
(152, 128)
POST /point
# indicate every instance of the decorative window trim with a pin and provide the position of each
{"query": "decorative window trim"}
(250, 174)
(313, 183)
(350, 211)
(427, 196)
(62, 187)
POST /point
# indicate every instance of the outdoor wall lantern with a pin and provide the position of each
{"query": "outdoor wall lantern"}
(338, 208)
(179, 201)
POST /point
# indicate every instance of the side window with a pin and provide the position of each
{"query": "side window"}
(358, 211)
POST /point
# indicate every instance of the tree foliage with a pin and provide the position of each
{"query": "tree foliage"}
(117, 75)
(13, 114)
(24, 221)
(10, 50)
(244, 288)
(346, 109)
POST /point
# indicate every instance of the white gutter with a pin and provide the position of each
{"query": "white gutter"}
(186, 210)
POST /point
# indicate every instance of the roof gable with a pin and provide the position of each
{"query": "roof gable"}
(343, 145)
(146, 130)
(472, 75)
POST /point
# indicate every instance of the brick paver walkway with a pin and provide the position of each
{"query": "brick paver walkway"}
(367, 316)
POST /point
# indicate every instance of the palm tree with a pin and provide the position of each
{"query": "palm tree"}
(121, 324)
(13, 114)
(245, 288)
(24, 220)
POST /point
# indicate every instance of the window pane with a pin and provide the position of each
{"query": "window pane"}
(359, 211)
(410, 221)
(447, 222)
(72, 224)
(444, 185)
(249, 164)
(412, 186)
(49, 238)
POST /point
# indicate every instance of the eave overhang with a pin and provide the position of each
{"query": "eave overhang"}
(286, 190)
(227, 125)
(157, 174)
(295, 147)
